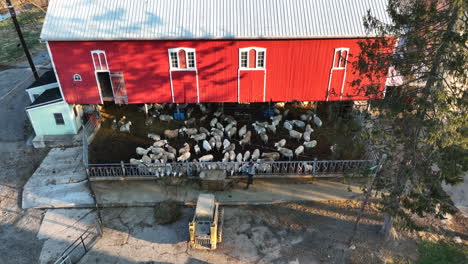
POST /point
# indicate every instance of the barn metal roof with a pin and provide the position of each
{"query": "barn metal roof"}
(208, 19)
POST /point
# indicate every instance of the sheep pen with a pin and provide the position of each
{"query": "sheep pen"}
(297, 127)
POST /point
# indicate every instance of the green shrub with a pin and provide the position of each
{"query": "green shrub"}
(442, 252)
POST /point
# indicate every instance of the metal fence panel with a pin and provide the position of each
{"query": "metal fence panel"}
(179, 169)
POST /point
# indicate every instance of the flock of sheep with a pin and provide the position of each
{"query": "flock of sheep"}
(222, 136)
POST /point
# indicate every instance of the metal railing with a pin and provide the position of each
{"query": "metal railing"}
(79, 247)
(179, 169)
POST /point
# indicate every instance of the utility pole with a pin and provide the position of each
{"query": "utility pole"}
(20, 35)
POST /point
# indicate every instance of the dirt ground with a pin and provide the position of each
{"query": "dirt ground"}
(313, 232)
(111, 146)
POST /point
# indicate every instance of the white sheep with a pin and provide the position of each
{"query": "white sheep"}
(317, 121)
(306, 136)
(242, 131)
(220, 126)
(295, 134)
(228, 127)
(170, 149)
(226, 144)
(146, 159)
(298, 123)
(232, 132)
(259, 129)
(198, 137)
(166, 118)
(276, 118)
(239, 157)
(212, 142)
(246, 156)
(114, 125)
(169, 156)
(160, 143)
(196, 148)
(310, 144)
(126, 128)
(308, 128)
(190, 122)
(231, 147)
(217, 113)
(171, 134)
(215, 131)
(154, 137)
(264, 138)
(184, 157)
(271, 155)
(246, 139)
(135, 161)
(158, 106)
(255, 154)
(189, 131)
(288, 125)
(280, 143)
(203, 108)
(232, 155)
(275, 122)
(157, 150)
(285, 152)
(304, 117)
(206, 158)
(141, 151)
(299, 150)
(206, 146)
(272, 128)
(226, 157)
(185, 148)
(213, 122)
(204, 130)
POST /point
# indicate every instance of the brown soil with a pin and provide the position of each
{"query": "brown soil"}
(111, 146)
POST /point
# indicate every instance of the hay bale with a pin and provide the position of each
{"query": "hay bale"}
(167, 212)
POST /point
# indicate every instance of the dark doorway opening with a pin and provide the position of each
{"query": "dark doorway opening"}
(105, 85)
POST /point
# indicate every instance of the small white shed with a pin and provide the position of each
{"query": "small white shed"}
(49, 114)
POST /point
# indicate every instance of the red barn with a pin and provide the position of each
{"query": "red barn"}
(148, 51)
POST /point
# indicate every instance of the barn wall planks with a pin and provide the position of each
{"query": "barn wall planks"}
(295, 70)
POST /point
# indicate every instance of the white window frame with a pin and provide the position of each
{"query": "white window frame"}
(257, 50)
(256, 68)
(340, 59)
(98, 53)
(333, 68)
(186, 51)
(178, 68)
(77, 77)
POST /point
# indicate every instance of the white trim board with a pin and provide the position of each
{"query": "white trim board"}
(55, 70)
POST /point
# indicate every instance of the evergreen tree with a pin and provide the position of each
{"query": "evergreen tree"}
(421, 122)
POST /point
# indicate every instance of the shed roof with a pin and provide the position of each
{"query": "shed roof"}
(46, 78)
(47, 97)
(208, 19)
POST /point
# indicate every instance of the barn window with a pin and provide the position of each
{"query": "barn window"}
(252, 58)
(59, 119)
(99, 60)
(243, 59)
(77, 77)
(182, 59)
(340, 58)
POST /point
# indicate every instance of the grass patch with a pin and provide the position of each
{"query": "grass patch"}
(442, 252)
(31, 24)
